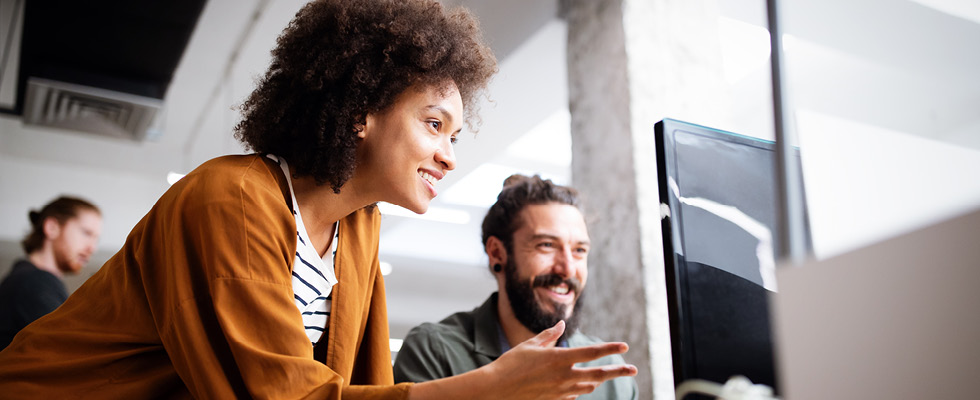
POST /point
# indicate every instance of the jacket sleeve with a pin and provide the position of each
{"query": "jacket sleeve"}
(226, 312)
(421, 357)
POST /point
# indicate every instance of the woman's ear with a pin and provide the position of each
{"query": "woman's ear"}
(366, 122)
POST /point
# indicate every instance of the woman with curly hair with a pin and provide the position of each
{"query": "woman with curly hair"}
(257, 275)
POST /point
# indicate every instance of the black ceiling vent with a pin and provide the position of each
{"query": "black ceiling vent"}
(101, 66)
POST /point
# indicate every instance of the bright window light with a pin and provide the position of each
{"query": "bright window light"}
(481, 187)
(745, 48)
(961, 8)
(549, 142)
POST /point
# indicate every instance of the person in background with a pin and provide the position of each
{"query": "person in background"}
(538, 245)
(257, 275)
(63, 236)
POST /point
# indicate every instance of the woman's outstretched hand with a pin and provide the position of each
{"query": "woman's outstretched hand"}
(534, 369)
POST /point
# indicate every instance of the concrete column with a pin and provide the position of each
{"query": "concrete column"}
(630, 64)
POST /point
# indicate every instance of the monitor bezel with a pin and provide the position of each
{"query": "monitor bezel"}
(683, 353)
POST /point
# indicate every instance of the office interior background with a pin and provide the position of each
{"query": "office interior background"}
(884, 98)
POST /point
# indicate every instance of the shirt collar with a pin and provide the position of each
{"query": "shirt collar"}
(489, 338)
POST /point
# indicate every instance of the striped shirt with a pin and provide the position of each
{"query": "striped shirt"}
(313, 276)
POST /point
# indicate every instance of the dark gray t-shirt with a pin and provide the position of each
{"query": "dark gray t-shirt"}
(26, 294)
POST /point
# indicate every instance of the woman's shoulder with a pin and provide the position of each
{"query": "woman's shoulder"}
(237, 164)
(247, 181)
(233, 172)
(368, 216)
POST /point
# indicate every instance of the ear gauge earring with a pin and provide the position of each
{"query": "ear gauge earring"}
(497, 268)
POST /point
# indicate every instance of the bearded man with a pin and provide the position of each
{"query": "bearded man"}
(63, 236)
(537, 244)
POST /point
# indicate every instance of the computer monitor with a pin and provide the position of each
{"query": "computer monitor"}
(717, 192)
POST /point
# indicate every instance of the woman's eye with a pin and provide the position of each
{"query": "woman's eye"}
(453, 140)
(435, 124)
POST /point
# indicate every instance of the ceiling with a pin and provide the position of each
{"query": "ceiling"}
(437, 263)
(131, 47)
(227, 44)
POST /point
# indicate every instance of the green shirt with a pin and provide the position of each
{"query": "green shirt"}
(468, 340)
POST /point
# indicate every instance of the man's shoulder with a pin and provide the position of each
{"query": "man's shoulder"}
(27, 280)
(457, 326)
(454, 334)
(23, 274)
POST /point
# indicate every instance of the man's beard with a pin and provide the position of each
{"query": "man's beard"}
(527, 309)
(65, 262)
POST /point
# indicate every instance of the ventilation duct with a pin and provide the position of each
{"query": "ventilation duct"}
(88, 109)
(101, 67)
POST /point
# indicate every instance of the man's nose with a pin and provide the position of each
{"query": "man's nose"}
(90, 247)
(563, 263)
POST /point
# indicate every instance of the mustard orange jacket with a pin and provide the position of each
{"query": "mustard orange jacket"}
(199, 303)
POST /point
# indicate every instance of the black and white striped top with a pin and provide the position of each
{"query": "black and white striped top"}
(313, 276)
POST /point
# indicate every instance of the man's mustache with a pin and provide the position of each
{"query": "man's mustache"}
(545, 280)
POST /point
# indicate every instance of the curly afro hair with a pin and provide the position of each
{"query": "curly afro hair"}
(339, 60)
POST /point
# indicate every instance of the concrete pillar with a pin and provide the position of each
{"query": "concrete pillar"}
(630, 64)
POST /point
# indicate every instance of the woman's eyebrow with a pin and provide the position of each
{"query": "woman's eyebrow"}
(446, 115)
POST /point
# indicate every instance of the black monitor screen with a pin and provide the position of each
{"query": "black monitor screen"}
(719, 236)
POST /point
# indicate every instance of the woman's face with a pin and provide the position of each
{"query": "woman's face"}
(408, 147)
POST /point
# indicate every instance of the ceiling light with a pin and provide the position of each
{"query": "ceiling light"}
(395, 344)
(385, 268)
(173, 177)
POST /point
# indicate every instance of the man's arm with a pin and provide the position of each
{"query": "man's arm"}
(534, 369)
(422, 356)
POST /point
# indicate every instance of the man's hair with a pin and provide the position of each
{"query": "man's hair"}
(339, 60)
(61, 209)
(520, 191)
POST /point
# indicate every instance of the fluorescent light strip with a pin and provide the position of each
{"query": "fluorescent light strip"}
(437, 214)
